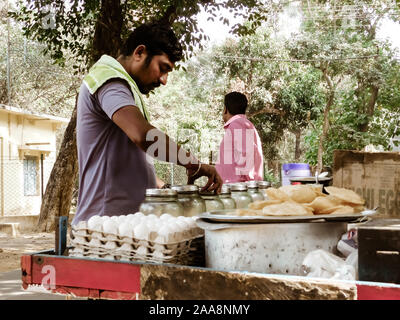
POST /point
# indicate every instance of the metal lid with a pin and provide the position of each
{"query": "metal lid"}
(185, 188)
(264, 184)
(208, 194)
(252, 184)
(160, 192)
(225, 189)
(238, 187)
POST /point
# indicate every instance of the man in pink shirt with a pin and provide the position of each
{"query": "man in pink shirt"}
(240, 155)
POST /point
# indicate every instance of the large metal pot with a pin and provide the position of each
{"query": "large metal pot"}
(275, 248)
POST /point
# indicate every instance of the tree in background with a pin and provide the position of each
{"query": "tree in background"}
(89, 29)
(339, 40)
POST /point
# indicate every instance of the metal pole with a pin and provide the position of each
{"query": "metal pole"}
(24, 50)
(172, 173)
(41, 173)
(8, 60)
(2, 176)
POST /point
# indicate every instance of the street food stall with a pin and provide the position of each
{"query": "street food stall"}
(257, 250)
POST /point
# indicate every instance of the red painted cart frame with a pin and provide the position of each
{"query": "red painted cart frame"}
(106, 279)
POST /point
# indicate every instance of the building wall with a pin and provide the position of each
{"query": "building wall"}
(19, 135)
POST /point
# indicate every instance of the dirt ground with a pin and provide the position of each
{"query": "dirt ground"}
(11, 248)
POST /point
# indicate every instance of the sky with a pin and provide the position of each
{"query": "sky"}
(218, 32)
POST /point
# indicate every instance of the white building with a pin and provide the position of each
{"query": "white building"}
(27, 155)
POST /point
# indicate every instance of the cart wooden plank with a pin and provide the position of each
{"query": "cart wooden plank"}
(106, 279)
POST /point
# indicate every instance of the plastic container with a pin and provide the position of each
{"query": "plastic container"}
(189, 198)
(294, 170)
(159, 201)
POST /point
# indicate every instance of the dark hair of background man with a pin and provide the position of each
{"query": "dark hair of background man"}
(236, 103)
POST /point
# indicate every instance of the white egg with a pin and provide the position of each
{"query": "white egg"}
(122, 219)
(166, 216)
(165, 234)
(94, 221)
(141, 231)
(152, 216)
(139, 214)
(183, 224)
(114, 218)
(125, 230)
(110, 227)
(175, 226)
(190, 222)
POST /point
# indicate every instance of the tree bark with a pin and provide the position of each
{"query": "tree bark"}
(370, 107)
(58, 195)
(57, 198)
(325, 126)
(107, 35)
(297, 150)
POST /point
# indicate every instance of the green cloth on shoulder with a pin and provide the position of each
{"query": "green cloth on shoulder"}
(107, 68)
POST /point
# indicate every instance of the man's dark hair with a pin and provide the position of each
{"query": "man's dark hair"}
(236, 103)
(157, 37)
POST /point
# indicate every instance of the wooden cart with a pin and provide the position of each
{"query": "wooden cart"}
(108, 279)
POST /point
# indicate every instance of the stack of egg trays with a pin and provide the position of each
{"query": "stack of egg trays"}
(95, 244)
(84, 245)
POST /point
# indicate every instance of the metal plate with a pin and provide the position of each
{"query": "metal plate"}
(222, 216)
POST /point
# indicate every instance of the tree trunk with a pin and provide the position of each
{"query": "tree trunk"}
(370, 108)
(325, 126)
(107, 34)
(58, 195)
(57, 198)
(297, 150)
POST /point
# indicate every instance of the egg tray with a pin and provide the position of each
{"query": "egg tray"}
(186, 260)
(189, 255)
(90, 242)
(174, 260)
(145, 253)
(172, 248)
(185, 236)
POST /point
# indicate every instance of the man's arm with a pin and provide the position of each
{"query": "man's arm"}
(142, 133)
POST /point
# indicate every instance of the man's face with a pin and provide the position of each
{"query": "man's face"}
(151, 74)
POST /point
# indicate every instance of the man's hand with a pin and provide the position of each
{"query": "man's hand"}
(214, 180)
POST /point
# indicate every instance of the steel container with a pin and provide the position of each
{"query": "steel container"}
(274, 248)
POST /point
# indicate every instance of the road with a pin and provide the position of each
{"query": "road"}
(11, 289)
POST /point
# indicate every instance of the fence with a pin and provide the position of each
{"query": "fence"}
(22, 183)
(173, 174)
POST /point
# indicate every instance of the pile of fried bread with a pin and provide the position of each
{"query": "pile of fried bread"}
(305, 200)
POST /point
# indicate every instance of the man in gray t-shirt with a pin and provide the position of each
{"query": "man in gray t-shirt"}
(114, 173)
(113, 129)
